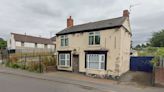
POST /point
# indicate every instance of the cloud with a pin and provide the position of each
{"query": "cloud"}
(42, 17)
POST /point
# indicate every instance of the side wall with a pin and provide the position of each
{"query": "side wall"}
(11, 42)
(125, 47)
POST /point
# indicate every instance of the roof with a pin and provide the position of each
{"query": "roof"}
(92, 26)
(53, 38)
(31, 39)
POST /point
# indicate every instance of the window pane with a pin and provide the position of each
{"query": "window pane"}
(94, 65)
(102, 58)
(66, 42)
(62, 56)
(62, 62)
(97, 39)
(91, 40)
(68, 56)
(102, 65)
(62, 42)
(68, 62)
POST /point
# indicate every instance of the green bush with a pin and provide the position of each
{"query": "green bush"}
(49, 61)
(159, 53)
(35, 66)
(15, 65)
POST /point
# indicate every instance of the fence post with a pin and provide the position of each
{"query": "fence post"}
(8, 57)
(153, 76)
(1, 56)
(25, 62)
(40, 70)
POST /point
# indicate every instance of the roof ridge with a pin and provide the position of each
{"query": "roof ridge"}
(95, 22)
(97, 25)
(30, 36)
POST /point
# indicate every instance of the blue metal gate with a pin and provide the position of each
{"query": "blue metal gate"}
(141, 63)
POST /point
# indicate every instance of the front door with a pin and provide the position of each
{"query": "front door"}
(76, 63)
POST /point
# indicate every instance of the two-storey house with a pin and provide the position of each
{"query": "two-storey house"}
(22, 43)
(101, 48)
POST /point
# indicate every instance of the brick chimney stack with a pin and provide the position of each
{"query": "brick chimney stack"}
(126, 13)
(69, 22)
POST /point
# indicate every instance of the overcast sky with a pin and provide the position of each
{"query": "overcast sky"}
(45, 17)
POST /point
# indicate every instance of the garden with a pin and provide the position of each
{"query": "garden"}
(32, 62)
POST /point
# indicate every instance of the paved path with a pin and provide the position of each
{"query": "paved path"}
(12, 80)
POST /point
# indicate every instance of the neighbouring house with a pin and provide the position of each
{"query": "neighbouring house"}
(96, 48)
(22, 43)
(53, 39)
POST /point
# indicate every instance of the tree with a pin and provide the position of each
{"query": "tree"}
(157, 39)
(3, 44)
(138, 47)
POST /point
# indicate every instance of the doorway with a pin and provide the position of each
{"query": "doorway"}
(76, 63)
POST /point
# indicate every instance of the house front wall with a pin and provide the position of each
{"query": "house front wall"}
(116, 41)
(30, 47)
(11, 42)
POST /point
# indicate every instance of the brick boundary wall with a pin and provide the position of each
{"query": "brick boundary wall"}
(159, 76)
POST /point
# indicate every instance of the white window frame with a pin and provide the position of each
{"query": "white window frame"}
(36, 45)
(91, 58)
(66, 59)
(45, 46)
(65, 41)
(94, 34)
(23, 44)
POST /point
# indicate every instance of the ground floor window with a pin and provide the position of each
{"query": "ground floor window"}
(95, 61)
(64, 59)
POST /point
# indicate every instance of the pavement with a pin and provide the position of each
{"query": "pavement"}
(80, 81)
(136, 78)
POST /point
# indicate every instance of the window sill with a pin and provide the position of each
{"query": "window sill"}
(95, 69)
(63, 66)
(64, 46)
(94, 45)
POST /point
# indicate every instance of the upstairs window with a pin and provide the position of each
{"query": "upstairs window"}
(22, 44)
(36, 45)
(45, 45)
(64, 40)
(94, 38)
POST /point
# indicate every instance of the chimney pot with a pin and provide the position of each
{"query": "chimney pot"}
(69, 22)
(126, 13)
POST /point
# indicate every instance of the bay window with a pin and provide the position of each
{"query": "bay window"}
(96, 61)
(64, 59)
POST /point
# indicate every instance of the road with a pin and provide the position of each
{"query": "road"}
(30, 82)
(13, 83)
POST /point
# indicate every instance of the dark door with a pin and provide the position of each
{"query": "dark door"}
(76, 63)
